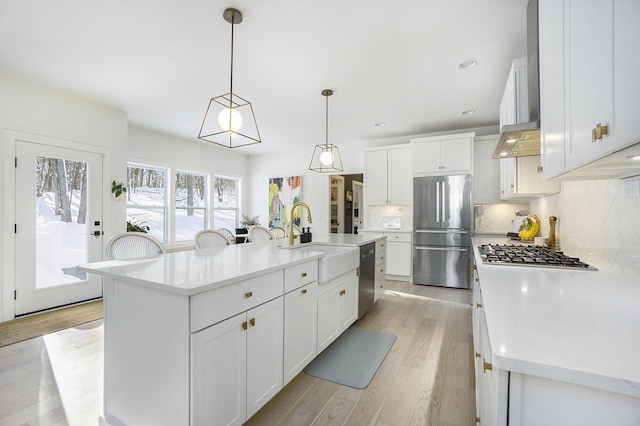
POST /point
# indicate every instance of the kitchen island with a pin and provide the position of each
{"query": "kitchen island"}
(209, 336)
(555, 346)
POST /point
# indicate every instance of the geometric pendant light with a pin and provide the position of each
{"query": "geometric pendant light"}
(229, 120)
(326, 157)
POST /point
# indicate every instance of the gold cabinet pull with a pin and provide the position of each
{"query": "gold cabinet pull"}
(478, 420)
(304, 274)
(343, 292)
(304, 291)
(599, 132)
(248, 294)
(477, 354)
(252, 321)
(478, 305)
(244, 325)
(486, 366)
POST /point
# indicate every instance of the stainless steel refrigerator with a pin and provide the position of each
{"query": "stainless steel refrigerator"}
(442, 230)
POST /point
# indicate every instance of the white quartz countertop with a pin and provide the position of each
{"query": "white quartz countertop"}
(581, 327)
(195, 271)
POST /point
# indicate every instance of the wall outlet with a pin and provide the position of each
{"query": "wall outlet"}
(632, 188)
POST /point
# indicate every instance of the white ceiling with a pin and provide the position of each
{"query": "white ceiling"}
(387, 61)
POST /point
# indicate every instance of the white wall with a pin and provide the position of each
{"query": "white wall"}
(315, 186)
(36, 110)
(597, 222)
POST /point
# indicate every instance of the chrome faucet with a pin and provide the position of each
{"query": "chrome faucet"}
(299, 203)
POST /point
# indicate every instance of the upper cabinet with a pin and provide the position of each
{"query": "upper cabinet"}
(589, 90)
(486, 171)
(443, 155)
(387, 174)
(520, 178)
(514, 106)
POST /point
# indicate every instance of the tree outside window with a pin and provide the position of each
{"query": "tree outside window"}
(225, 194)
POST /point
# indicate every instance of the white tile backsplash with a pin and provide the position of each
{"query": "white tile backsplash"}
(496, 218)
(375, 215)
(597, 222)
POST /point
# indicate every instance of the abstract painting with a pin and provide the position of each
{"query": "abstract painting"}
(283, 193)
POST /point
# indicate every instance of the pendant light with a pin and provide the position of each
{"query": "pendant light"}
(326, 157)
(229, 120)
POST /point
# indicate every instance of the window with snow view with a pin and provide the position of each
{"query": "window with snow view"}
(147, 200)
(225, 194)
(191, 205)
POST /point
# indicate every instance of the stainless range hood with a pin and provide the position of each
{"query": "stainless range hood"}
(523, 139)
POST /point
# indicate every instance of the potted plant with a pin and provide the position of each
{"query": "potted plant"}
(118, 190)
(246, 222)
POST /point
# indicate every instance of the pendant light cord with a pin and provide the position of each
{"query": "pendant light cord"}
(326, 129)
(233, 21)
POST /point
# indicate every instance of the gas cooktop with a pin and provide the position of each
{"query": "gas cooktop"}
(520, 255)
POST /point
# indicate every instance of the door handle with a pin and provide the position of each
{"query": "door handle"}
(437, 202)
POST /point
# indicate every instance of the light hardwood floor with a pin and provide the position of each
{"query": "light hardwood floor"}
(426, 379)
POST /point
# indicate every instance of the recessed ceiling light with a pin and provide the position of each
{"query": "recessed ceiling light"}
(468, 112)
(380, 124)
(511, 140)
(468, 64)
(503, 153)
(635, 157)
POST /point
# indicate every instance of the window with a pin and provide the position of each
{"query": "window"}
(147, 200)
(191, 205)
(225, 202)
(177, 218)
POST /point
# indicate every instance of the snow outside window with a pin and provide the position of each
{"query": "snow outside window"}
(190, 205)
(147, 199)
(225, 195)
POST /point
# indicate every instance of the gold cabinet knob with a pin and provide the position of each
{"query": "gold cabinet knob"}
(540, 169)
(248, 294)
(478, 305)
(304, 291)
(244, 325)
(252, 321)
(478, 355)
(343, 292)
(303, 275)
(486, 366)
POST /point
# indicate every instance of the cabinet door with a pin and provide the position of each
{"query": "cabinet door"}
(507, 177)
(264, 354)
(400, 181)
(456, 155)
(427, 157)
(328, 318)
(398, 258)
(552, 88)
(375, 175)
(588, 29)
(219, 357)
(348, 303)
(300, 329)
(486, 171)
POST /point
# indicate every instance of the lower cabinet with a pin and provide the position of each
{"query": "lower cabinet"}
(398, 253)
(337, 308)
(300, 329)
(239, 352)
(510, 398)
(380, 276)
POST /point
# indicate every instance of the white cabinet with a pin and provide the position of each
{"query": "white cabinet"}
(337, 308)
(514, 105)
(245, 353)
(580, 95)
(443, 155)
(387, 175)
(486, 171)
(398, 253)
(380, 275)
(300, 329)
(521, 178)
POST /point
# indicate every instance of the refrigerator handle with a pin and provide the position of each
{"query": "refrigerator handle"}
(444, 202)
(437, 201)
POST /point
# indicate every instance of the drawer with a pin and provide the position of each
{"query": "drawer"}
(299, 275)
(381, 257)
(381, 244)
(381, 271)
(404, 237)
(224, 302)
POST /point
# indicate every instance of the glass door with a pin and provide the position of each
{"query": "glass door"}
(58, 225)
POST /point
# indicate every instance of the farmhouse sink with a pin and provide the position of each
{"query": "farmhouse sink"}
(337, 260)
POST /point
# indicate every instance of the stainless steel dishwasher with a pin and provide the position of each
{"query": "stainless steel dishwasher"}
(366, 285)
